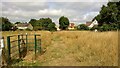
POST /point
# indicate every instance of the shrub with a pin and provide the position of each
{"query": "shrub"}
(82, 27)
(108, 27)
(114, 26)
(28, 29)
(94, 27)
(104, 27)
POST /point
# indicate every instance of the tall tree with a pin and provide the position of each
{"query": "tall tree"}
(17, 22)
(63, 22)
(45, 23)
(109, 14)
(51, 27)
(33, 22)
(42, 24)
(6, 24)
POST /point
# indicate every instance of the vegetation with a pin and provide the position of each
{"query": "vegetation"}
(82, 27)
(72, 48)
(43, 24)
(51, 27)
(6, 24)
(17, 22)
(63, 22)
(108, 19)
(109, 16)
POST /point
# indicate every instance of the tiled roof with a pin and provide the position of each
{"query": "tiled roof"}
(88, 23)
(23, 25)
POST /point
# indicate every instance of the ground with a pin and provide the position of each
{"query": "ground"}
(73, 48)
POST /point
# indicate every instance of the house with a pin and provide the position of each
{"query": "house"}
(71, 26)
(90, 24)
(24, 26)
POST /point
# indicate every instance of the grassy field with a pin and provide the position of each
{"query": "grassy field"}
(74, 48)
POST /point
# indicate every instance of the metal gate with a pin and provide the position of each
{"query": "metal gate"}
(19, 45)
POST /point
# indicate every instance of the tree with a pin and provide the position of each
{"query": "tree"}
(82, 27)
(6, 24)
(51, 27)
(109, 14)
(42, 24)
(63, 22)
(45, 23)
(33, 22)
(17, 22)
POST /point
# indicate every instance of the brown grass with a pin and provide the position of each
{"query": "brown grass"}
(75, 48)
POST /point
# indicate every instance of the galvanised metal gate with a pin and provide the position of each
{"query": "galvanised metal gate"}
(19, 45)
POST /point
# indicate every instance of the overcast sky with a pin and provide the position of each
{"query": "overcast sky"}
(77, 11)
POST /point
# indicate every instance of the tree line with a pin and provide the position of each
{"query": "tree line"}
(108, 19)
(41, 24)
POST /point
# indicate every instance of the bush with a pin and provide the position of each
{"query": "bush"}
(108, 27)
(94, 27)
(114, 26)
(104, 27)
(28, 29)
(82, 27)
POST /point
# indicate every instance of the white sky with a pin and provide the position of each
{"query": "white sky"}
(78, 11)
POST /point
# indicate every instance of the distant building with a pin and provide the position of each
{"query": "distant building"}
(71, 26)
(90, 24)
(24, 26)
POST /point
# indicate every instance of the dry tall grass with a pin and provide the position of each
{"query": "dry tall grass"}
(75, 48)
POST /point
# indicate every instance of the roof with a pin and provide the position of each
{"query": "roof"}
(71, 25)
(23, 25)
(88, 23)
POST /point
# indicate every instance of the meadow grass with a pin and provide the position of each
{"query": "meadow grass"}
(74, 48)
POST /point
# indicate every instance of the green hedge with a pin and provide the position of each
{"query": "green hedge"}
(82, 27)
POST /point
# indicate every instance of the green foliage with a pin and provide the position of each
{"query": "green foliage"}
(33, 22)
(17, 22)
(28, 29)
(82, 27)
(109, 14)
(114, 26)
(52, 27)
(6, 24)
(63, 22)
(43, 24)
(94, 27)
(108, 27)
(105, 27)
